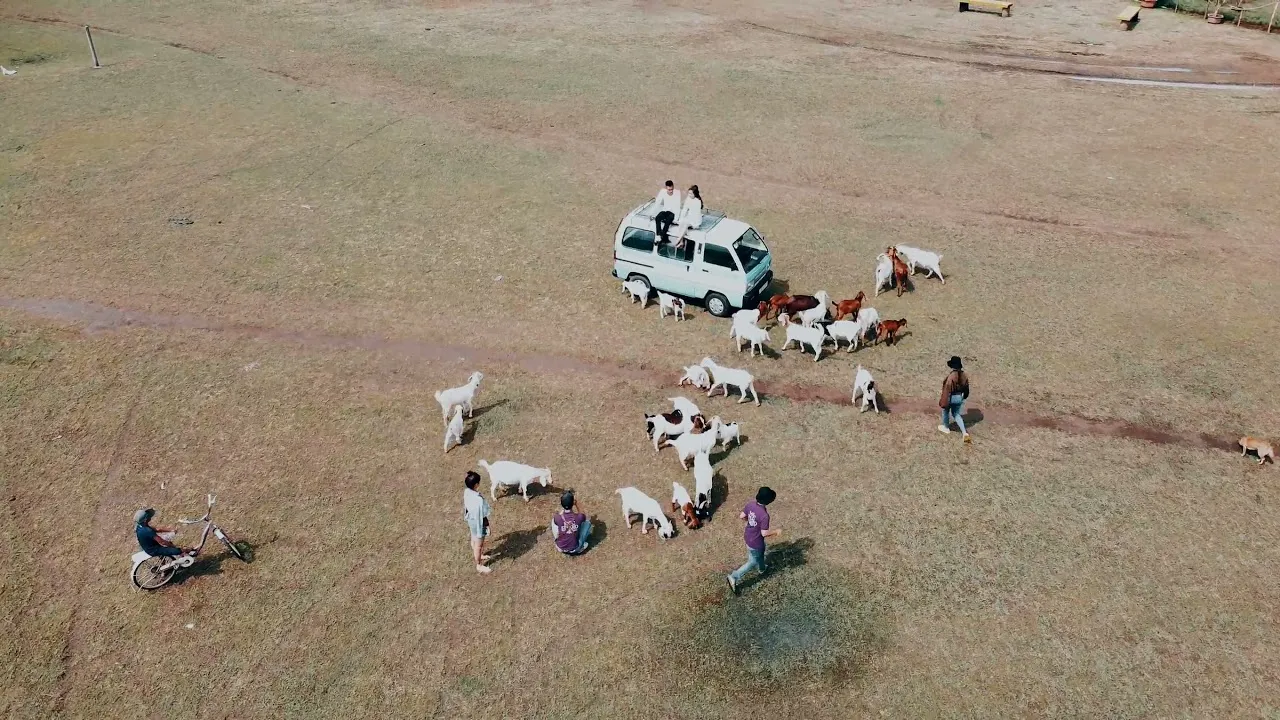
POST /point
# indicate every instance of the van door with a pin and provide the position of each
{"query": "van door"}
(672, 270)
(719, 271)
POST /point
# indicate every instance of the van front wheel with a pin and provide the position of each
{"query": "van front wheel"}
(718, 305)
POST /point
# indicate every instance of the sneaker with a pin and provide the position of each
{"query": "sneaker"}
(967, 439)
(733, 587)
(483, 570)
(944, 429)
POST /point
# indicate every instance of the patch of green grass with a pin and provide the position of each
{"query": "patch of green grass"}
(1257, 17)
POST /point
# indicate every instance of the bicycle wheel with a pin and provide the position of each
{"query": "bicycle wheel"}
(152, 574)
(226, 540)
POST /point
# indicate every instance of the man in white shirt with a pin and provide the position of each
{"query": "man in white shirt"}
(668, 200)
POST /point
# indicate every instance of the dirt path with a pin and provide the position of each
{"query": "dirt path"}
(99, 318)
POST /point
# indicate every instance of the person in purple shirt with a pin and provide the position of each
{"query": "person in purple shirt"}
(570, 527)
(757, 529)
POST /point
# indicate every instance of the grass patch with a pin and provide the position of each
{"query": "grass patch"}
(1255, 17)
(812, 623)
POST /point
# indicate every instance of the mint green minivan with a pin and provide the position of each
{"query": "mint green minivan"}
(724, 263)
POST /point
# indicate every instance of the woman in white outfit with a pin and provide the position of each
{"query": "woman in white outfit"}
(690, 215)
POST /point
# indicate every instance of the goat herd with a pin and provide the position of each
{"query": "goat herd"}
(809, 321)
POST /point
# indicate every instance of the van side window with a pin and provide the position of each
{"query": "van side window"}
(718, 256)
(668, 250)
(637, 239)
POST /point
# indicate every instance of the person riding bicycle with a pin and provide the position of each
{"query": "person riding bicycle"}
(150, 538)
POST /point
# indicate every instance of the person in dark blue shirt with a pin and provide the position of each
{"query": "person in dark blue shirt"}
(149, 537)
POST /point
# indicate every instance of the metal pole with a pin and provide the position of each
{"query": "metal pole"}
(92, 49)
(1273, 16)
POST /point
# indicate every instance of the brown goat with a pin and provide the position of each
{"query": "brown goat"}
(850, 307)
(889, 329)
(789, 304)
(900, 273)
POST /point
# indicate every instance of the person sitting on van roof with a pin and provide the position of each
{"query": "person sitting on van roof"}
(668, 200)
(690, 215)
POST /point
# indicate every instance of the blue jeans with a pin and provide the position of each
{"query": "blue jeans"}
(951, 412)
(584, 532)
(755, 559)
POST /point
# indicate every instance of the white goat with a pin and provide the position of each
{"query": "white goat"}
(660, 428)
(914, 257)
(801, 336)
(454, 431)
(684, 405)
(462, 395)
(724, 377)
(702, 477)
(638, 290)
(854, 331)
(670, 302)
(756, 337)
(697, 376)
(884, 272)
(746, 316)
(635, 502)
(727, 432)
(505, 472)
(865, 384)
(680, 496)
(691, 444)
(817, 313)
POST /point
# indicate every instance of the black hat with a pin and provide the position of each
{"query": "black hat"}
(765, 495)
(954, 363)
(566, 499)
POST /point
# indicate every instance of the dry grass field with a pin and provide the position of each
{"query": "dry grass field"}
(241, 256)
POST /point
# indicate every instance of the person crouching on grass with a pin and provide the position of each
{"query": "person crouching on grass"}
(756, 531)
(570, 527)
(476, 511)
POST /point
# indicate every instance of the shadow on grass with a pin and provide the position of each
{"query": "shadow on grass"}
(780, 558)
(811, 622)
(210, 561)
(971, 417)
(482, 411)
(516, 543)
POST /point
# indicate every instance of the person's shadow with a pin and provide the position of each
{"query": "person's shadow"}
(780, 558)
(516, 543)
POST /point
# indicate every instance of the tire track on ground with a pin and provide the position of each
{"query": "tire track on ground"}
(100, 318)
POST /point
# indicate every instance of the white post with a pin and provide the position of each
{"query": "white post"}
(92, 49)
(1273, 16)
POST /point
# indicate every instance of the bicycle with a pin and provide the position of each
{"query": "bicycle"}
(152, 572)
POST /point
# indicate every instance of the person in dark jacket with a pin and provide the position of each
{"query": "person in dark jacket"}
(955, 390)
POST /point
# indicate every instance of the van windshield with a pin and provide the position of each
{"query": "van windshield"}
(750, 249)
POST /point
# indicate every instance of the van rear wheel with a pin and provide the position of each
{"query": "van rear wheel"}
(718, 305)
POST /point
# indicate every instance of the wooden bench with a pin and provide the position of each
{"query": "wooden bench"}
(1128, 17)
(1004, 8)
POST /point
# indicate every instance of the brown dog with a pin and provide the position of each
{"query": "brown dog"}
(1262, 447)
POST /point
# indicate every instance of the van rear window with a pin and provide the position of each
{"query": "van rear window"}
(638, 239)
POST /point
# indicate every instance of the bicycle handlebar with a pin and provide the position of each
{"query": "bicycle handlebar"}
(211, 498)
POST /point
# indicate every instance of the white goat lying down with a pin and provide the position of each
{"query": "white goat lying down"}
(512, 474)
(635, 502)
(884, 272)
(697, 376)
(454, 431)
(670, 302)
(692, 443)
(865, 384)
(703, 475)
(914, 257)
(463, 395)
(638, 290)
(801, 335)
(745, 316)
(724, 377)
(854, 331)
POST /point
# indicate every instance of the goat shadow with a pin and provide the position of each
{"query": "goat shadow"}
(516, 543)
(780, 558)
(477, 413)
(725, 451)
(777, 286)
(719, 494)
(536, 490)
